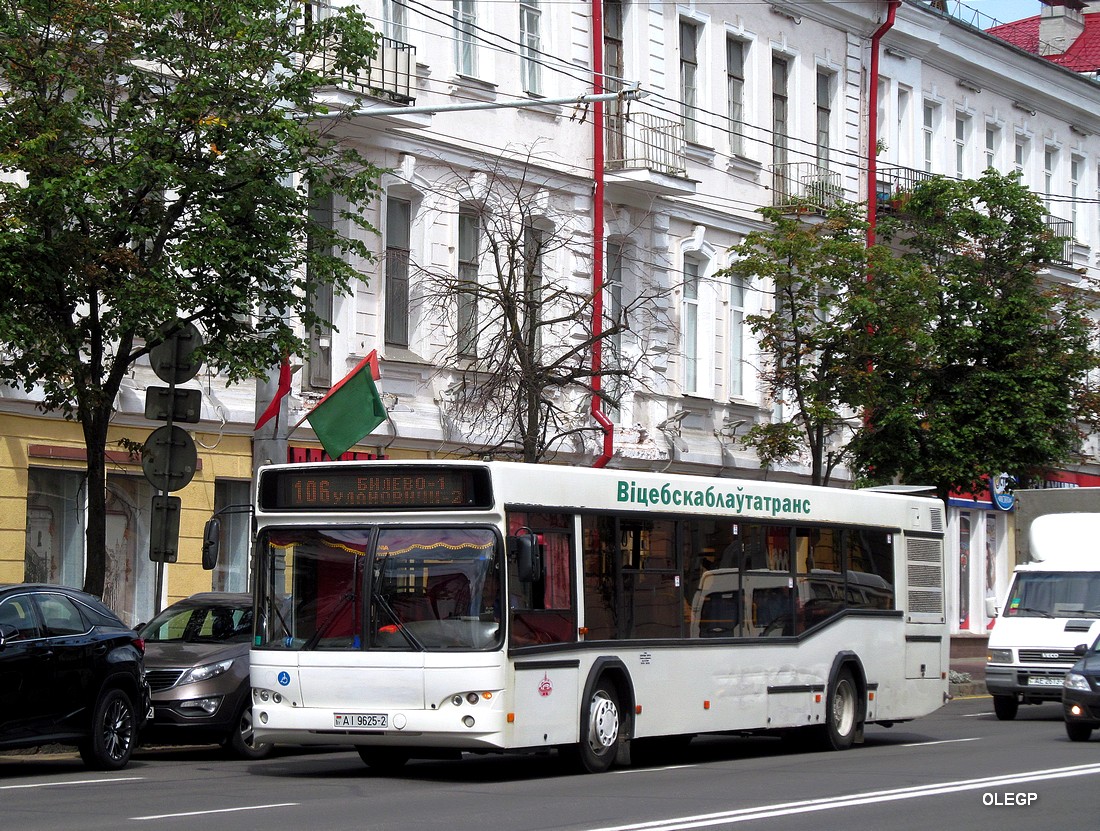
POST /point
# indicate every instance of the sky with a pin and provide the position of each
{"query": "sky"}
(1005, 10)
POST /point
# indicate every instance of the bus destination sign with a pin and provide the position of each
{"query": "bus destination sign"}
(385, 488)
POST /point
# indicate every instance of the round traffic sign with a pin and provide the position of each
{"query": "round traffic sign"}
(169, 458)
(173, 359)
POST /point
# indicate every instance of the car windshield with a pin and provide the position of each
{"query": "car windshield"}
(209, 623)
(405, 589)
(1054, 594)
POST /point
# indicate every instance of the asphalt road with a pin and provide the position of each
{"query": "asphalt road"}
(957, 769)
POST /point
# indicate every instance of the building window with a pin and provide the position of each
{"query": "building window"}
(131, 576)
(396, 20)
(613, 312)
(1076, 171)
(992, 143)
(398, 225)
(534, 244)
(905, 123)
(735, 94)
(689, 321)
(962, 135)
(824, 116)
(469, 241)
(530, 46)
(613, 71)
(928, 134)
(465, 15)
(54, 550)
(231, 503)
(737, 337)
(1050, 164)
(319, 362)
(1019, 159)
(779, 111)
(689, 78)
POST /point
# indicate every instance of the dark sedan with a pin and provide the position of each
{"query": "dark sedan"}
(71, 672)
(197, 665)
(1081, 694)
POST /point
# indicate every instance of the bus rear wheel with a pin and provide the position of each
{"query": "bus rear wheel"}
(601, 730)
(842, 713)
(382, 759)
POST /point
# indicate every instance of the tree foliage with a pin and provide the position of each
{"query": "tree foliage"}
(942, 357)
(157, 160)
(1000, 374)
(809, 338)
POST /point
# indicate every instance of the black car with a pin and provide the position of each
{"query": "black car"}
(71, 672)
(197, 661)
(1081, 694)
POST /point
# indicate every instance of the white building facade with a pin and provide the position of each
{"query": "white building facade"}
(745, 105)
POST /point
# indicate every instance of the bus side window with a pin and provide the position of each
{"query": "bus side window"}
(542, 611)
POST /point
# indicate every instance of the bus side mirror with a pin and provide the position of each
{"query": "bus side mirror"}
(990, 608)
(528, 555)
(211, 543)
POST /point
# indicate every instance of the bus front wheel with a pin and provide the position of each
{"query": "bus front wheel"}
(601, 730)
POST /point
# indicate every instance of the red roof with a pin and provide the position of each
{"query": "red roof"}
(1083, 54)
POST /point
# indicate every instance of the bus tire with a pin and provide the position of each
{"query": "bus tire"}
(1078, 732)
(382, 759)
(1005, 706)
(601, 730)
(842, 712)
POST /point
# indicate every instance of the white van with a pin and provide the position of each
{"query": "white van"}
(1053, 604)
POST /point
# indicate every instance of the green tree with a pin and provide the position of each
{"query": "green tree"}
(997, 376)
(158, 158)
(812, 352)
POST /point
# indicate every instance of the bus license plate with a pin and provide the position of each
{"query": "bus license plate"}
(361, 721)
(1043, 681)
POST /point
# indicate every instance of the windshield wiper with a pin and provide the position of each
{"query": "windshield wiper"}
(384, 604)
(1032, 611)
(324, 627)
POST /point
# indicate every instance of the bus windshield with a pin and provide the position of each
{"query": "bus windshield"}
(389, 588)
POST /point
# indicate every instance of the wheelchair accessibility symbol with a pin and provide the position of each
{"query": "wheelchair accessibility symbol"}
(284, 678)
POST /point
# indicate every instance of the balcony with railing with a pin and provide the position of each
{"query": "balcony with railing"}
(893, 183)
(646, 152)
(1061, 228)
(388, 75)
(805, 185)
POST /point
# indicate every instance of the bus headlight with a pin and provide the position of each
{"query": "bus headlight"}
(999, 656)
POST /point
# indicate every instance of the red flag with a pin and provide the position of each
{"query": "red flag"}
(281, 392)
(350, 411)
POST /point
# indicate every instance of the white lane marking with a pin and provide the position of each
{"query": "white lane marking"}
(941, 741)
(869, 798)
(977, 715)
(219, 811)
(72, 782)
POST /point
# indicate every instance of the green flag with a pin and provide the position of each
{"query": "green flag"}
(350, 411)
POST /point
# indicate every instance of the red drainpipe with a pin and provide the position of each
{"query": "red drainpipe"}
(597, 237)
(872, 129)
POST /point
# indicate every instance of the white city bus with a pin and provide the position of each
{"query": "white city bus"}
(427, 608)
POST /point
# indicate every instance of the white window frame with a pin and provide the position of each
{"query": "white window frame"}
(690, 76)
(530, 46)
(735, 92)
(465, 19)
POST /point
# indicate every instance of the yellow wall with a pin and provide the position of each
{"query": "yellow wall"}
(221, 457)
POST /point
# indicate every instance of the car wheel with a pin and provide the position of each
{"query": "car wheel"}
(1005, 706)
(1077, 731)
(113, 732)
(241, 741)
